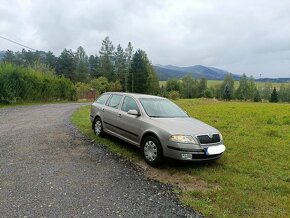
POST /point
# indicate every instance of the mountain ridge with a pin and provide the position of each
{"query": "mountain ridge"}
(165, 72)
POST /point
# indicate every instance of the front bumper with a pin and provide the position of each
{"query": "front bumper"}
(190, 152)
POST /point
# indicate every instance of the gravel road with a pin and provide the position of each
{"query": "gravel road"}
(47, 168)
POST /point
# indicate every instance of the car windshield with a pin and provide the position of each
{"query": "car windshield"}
(158, 107)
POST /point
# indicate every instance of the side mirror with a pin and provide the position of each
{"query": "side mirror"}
(133, 112)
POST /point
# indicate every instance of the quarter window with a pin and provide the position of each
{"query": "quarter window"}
(102, 99)
(115, 101)
(129, 104)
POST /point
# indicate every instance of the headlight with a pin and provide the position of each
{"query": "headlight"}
(221, 137)
(183, 139)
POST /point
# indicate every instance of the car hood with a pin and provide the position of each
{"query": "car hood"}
(184, 125)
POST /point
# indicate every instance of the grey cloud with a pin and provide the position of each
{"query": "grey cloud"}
(239, 36)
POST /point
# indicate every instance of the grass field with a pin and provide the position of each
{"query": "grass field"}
(251, 179)
(213, 83)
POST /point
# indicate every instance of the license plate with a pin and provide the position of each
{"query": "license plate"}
(212, 150)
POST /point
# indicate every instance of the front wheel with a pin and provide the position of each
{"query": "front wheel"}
(98, 127)
(152, 151)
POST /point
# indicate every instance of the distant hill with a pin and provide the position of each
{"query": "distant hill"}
(198, 71)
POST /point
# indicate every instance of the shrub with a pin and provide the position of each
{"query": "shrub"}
(31, 84)
(174, 95)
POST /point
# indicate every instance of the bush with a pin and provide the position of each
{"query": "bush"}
(31, 84)
(174, 95)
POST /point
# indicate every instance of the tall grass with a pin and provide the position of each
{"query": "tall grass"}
(19, 83)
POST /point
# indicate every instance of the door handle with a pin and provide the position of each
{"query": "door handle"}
(103, 109)
(120, 115)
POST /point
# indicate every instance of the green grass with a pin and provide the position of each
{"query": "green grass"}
(251, 179)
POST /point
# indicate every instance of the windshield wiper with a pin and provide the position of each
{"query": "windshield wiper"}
(155, 116)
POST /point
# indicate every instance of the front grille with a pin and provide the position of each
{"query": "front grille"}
(205, 139)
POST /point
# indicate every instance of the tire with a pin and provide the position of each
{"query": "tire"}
(152, 151)
(98, 127)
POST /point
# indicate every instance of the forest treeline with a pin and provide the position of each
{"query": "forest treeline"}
(114, 69)
(37, 75)
(247, 90)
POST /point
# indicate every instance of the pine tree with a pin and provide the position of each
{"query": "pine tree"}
(66, 65)
(227, 92)
(81, 60)
(274, 96)
(94, 66)
(106, 63)
(142, 77)
(228, 81)
(129, 55)
(120, 66)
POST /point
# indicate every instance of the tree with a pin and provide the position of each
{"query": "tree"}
(257, 96)
(120, 65)
(173, 85)
(50, 60)
(284, 92)
(66, 65)
(227, 92)
(266, 91)
(81, 60)
(229, 82)
(274, 96)
(129, 55)
(202, 86)
(94, 66)
(252, 88)
(106, 61)
(189, 87)
(243, 90)
(142, 77)
(10, 57)
(153, 81)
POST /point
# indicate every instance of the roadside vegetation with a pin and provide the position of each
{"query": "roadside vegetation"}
(19, 84)
(250, 180)
(34, 76)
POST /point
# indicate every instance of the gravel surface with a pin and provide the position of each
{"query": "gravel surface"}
(47, 168)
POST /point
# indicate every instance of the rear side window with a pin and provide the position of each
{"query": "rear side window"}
(102, 99)
(129, 104)
(115, 101)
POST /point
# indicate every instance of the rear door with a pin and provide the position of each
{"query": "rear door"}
(129, 125)
(110, 113)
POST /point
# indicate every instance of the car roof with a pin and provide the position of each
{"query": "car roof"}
(135, 95)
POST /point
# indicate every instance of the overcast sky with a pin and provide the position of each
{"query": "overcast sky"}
(239, 36)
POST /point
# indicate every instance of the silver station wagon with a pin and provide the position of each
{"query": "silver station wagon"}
(156, 125)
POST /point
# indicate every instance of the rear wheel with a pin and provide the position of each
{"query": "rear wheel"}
(152, 151)
(98, 127)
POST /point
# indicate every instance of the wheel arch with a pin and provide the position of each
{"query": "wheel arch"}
(150, 133)
(93, 123)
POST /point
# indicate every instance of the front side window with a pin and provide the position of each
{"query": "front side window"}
(102, 99)
(115, 101)
(159, 107)
(129, 104)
